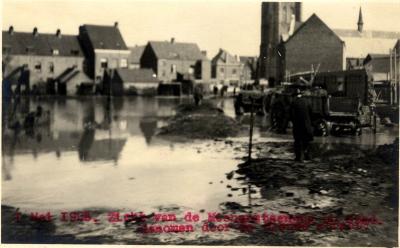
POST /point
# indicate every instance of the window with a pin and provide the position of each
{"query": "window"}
(38, 67)
(173, 69)
(123, 63)
(29, 50)
(51, 67)
(75, 52)
(163, 73)
(234, 71)
(55, 51)
(6, 50)
(103, 63)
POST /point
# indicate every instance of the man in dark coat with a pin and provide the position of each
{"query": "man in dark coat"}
(301, 113)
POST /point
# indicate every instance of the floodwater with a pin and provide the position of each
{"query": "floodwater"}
(101, 155)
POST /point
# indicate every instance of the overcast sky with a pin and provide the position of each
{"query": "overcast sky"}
(232, 25)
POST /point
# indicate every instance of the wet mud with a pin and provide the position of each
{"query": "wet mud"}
(200, 122)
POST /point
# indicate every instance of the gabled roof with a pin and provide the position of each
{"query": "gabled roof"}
(312, 19)
(224, 57)
(176, 50)
(137, 75)
(104, 37)
(367, 34)
(24, 43)
(136, 54)
(360, 44)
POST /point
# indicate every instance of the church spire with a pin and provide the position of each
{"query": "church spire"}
(360, 22)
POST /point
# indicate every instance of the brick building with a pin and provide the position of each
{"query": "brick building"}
(314, 45)
(51, 63)
(174, 60)
(226, 68)
(104, 48)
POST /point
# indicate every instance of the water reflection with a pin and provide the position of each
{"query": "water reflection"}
(87, 137)
(148, 125)
(97, 128)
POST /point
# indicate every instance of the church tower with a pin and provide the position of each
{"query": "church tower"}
(277, 19)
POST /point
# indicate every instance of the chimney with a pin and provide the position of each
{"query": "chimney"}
(172, 40)
(204, 53)
(360, 22)
(35, 31)
(58, 33)
(11, 30)
(116, 24)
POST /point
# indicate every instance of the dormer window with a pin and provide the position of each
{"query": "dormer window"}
(55, 52)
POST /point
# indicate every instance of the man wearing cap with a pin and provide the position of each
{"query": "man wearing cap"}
(301, 113)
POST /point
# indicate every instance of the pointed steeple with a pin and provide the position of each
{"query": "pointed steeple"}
(360, 22)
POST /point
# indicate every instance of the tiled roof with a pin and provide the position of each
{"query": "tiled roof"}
(136, 54)
(367, 34)
(360, 44)
(360, 47)
(224, 57)
(176, 50)
(137, 75)
(23, 43)
(104, 37)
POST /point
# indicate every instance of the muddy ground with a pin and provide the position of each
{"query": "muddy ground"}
(200, 122)
(335, 184)
(341, 184)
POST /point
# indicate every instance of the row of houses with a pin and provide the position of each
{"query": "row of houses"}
(98, 57)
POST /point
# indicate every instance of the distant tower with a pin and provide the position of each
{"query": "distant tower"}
(360, 22)
(275, 24)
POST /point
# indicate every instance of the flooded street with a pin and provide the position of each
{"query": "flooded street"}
(96, 157)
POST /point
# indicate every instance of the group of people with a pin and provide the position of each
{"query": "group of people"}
(300, 114)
